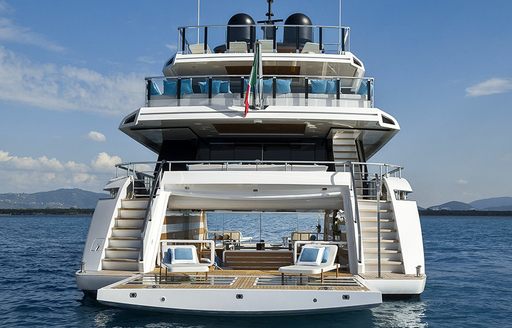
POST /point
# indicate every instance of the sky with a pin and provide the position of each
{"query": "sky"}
(71, 70)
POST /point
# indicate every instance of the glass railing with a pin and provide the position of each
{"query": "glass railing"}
(274, 90)
(274, 38)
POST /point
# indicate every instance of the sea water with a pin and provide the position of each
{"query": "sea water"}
(468, 263)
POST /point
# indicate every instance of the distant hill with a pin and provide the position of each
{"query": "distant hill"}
(452, 206)
(61, 198)
(489, 204)
(492, 203)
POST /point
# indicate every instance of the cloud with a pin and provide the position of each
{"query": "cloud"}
(105, 162)
(147, 60)
(96, 136)
(490, 87)
(49, 86)
(462, 182)
(24, 173)
(4, 7)
(10, 32)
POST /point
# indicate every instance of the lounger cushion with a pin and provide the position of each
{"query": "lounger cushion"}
(183, 255)
(325, 255)
(311, 256)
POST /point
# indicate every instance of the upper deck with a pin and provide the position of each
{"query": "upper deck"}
(310, 83)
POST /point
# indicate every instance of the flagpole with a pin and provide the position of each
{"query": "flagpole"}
(198, 15)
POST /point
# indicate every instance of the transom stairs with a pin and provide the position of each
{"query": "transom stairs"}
(391, 257)
(124, 244)
(345, 150)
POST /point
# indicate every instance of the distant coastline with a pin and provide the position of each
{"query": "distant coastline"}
(46, 211)
(426, 212)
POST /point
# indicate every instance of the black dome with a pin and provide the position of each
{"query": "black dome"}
(299, 34)
(241, 19)
(298, 19)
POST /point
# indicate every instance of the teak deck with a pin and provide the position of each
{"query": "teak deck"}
(245, 279)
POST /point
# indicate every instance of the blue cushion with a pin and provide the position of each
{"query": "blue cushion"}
(331, 87)
(267, 86)
(225, 87)
(203, 86)
(167, 257)
(154, 89)
(325, 255)
(183, 254)
(363, 89)
(318, 86)
(186, 86)
(283, 86)
(309, 254)
(170, 88)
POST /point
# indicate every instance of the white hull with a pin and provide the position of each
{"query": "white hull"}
(230, 302)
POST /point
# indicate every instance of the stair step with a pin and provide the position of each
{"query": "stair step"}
(383, 251)
(382, 230)
(383, 241)
(120, 264)
(130, 242)
(382, 262)
(129, 213)
(374, 219)
(129, 223)
(140, 203)
(126, 231)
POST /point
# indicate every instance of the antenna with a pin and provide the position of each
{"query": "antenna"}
(198, 15)
(340, 33)
(268, 31)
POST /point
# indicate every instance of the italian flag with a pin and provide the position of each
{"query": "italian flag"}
(256, 69)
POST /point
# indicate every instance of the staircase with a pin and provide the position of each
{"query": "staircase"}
(344, 148)
(391, 257)
(122, 253)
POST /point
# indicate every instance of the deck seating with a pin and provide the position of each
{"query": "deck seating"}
(267, 45)
(198, 48)
(182, 258)
(238, 47)
(314, 259)
(311, 48)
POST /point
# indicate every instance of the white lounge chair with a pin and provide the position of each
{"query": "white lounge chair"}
(311, 48)
(182, 258)
(238, 47)
(267, 45)
(314, 259)
(198, 48)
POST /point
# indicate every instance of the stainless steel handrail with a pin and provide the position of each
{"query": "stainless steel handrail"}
(156, 184)
(325, 77)
(356, 210)
(395, 168)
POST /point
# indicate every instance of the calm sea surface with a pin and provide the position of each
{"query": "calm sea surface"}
(469, 268)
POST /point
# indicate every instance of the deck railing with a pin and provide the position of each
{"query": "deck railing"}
(229, 90)
(279, 38)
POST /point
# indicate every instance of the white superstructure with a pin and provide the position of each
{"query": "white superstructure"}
(304, 145)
